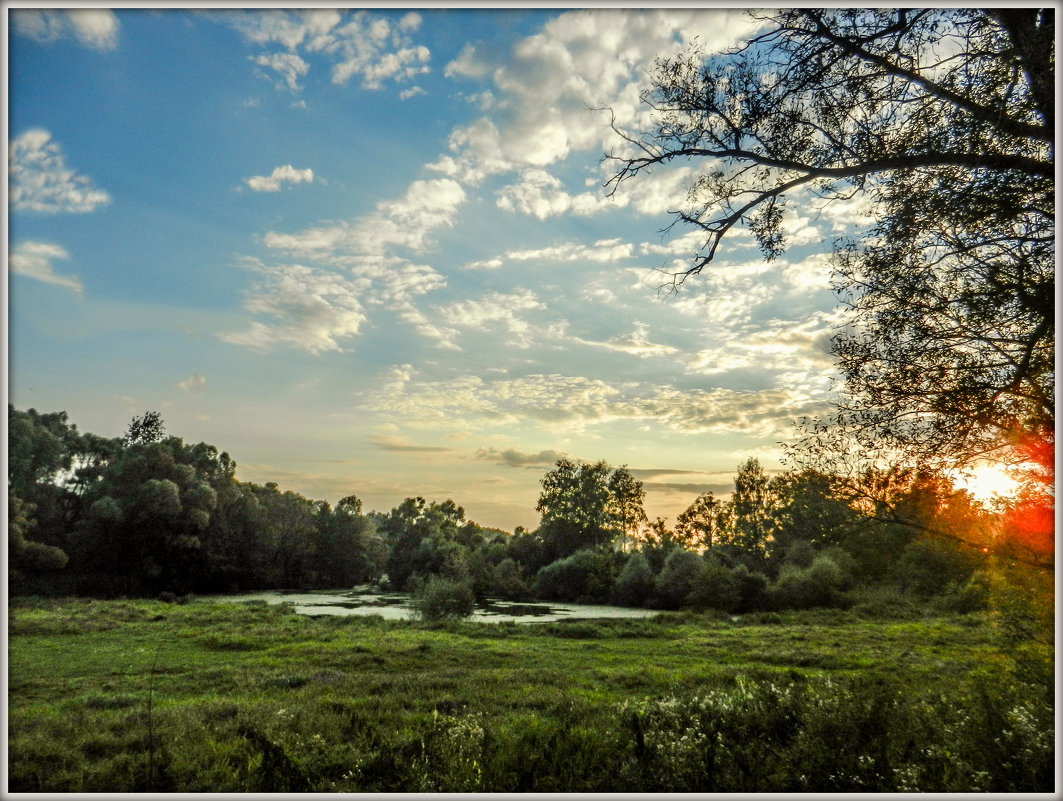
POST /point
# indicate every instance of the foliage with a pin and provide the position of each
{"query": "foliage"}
(681, 573)
(943, 122)
(635, 584)
(716, 588)
(587, 506)
(585, 576)
(440, 598)
(253, 698)
(699, 525)
(819, 584)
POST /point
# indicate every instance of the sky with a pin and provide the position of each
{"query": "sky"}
(372, 252)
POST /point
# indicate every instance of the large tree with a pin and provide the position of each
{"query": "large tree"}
(587, 506)
(943, 122)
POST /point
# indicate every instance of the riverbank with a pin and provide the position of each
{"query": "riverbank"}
(119, 696)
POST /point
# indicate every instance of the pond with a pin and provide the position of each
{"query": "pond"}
(397, 606)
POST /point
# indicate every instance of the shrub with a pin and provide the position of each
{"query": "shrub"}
(716, 588)
(931, 566)
(441, 598)
(583, 576)
(507, 580)
(819, 584)
(681, 572)
(634, 585)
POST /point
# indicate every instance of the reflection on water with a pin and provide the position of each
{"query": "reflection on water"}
(396, 606)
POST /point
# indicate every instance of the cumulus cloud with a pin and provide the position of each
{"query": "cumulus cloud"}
(309, 309)
(34, 260)
(799, 347)
(371, 46)
(541, 195)
(279, 176)
(40, 181)
(96, 28)
(545, 87)
(193, 384)
(495, 309)
(288, 66)
(368, 249)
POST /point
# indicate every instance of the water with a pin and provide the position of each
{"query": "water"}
(396, 606)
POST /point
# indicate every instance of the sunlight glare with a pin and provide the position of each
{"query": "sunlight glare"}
(986, 481)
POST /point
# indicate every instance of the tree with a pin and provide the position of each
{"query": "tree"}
(750, 513)
(146, 517)
(625, 507)
(943, 121)
(587, 506)
(808, 507)
(145, 429)
(699, 524)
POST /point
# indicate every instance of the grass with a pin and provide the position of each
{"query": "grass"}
(254, 698)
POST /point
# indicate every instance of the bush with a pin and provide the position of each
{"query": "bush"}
(931, 567)
(585, 576)
(681, 572)
(634, 585)
(716, 588)
(820, 584)
(507, 580)
(441, 598)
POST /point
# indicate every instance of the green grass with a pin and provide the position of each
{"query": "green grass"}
(253, 698)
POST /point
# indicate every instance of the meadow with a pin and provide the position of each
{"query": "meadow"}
(138, 695)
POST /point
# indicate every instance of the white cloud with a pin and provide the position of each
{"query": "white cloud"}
(310, 309)
(485, 264)
(407, 222)
(469, 64)
(288, 65)
(34, 260)
(495, 310)
(634, 344)
(40, 181)
(371, 47)
(604, 250)
(364, 44)
(580, 60)
(193, 384)
(96, 28)
(289, 28)
(273, 181)
(797, 350)
(574, 404)
(541, 195)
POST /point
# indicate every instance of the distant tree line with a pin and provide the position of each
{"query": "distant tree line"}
(148, 513)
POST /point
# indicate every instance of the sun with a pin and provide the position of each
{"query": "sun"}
(986, 481)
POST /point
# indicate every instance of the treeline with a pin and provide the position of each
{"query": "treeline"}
(147, 513)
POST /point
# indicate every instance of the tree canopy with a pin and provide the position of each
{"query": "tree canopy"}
(942, 121)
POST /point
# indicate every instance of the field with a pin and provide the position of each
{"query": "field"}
(118, 696)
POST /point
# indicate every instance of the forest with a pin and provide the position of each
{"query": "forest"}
(148, 514)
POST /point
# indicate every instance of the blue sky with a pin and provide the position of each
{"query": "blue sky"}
(370, 252)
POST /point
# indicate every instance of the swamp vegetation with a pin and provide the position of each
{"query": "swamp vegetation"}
(140, 695)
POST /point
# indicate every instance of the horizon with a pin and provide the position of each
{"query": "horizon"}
(373, 253)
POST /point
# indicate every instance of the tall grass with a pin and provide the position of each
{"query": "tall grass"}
(798, 701)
